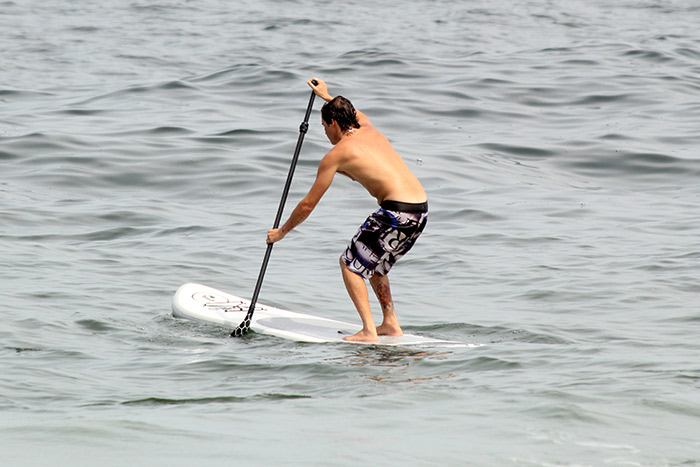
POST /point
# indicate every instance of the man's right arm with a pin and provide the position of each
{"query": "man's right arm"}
(320, 89)
(324, 177)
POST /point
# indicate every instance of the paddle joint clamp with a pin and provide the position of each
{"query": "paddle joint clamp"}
(304, 127)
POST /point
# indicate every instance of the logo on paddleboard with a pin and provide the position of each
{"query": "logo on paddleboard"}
(218, 302)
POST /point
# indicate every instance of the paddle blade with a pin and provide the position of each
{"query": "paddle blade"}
(242, 328)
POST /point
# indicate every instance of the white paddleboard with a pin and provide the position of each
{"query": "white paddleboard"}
(205, 304)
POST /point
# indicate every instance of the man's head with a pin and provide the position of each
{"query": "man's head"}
(342, 112)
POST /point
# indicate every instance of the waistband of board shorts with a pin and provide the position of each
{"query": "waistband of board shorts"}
(400, 206)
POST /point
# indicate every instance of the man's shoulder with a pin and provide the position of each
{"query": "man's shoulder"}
(334, 157)
(342, 149)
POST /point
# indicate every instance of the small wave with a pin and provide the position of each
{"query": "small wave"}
(132, 179)
(372, 58)
(580, 62)
(651, 55)
(19, 93)
(488, 334)
(602, 98)
(565, 412)
(635, 164)
(82, 112)
(688, 319)
(226, 74)
(689, 53)
(524, 151)
(243, 132)
(99, 235)
(182, 231)
(489, 82)
(674, 407)
(31, 143)
(557, 49)
(285, 22)
(130, 217)
(239, 136)
(24, 349)
(615, 137)
(464, 112)
(147, 59)
(167, 130)
(161, 8)
(113, 234)
(473, 215)
(449, 93)
(95, 325)
(6, 156)
(175, 85)
(156, 401)
(85, 29)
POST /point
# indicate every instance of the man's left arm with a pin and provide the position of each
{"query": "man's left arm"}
(324, 177)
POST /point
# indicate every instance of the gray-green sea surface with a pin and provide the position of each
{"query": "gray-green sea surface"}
(145, 144)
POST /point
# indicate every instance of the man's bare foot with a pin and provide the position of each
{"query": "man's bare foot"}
(363, 336)
(389, 330)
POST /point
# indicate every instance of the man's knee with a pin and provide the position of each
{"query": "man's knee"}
(379, 278)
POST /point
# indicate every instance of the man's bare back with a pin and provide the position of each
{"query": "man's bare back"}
(366, 156)
(362, 153)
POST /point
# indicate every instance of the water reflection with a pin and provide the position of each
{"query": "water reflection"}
(401, 365)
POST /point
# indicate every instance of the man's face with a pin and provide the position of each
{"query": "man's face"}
(331, 131)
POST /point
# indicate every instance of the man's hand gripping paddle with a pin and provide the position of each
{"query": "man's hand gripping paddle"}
(303, 128)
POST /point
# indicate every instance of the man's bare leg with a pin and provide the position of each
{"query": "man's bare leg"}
(357, 289)
(390, 326)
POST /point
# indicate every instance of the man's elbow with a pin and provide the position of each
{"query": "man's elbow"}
(306, 207)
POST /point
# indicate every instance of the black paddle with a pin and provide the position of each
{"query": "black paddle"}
(303, 128)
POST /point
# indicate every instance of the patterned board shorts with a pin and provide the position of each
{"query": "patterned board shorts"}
(386, 236)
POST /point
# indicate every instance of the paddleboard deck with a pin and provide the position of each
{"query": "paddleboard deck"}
(208, 305)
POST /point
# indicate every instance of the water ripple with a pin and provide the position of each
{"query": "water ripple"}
(144, 145)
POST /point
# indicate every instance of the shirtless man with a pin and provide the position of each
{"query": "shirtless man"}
(362, 153)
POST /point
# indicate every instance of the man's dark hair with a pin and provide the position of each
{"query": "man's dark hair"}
(341, 110)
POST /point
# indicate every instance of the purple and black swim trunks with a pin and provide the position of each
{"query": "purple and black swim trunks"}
(385, 237)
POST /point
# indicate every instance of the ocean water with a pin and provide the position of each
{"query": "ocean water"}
(145, 144)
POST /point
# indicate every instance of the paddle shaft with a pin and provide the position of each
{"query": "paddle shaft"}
(303, 128)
